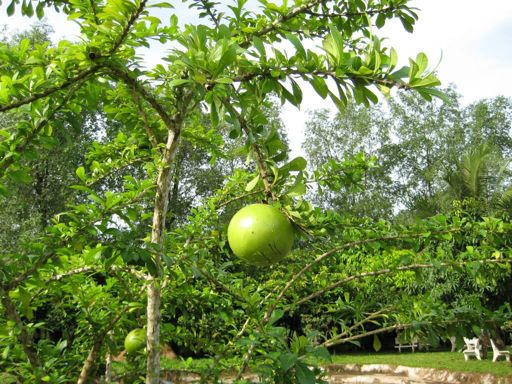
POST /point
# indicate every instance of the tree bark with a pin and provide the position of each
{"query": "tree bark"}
(157, 237)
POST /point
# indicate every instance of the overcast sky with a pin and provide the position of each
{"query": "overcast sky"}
(473, 39)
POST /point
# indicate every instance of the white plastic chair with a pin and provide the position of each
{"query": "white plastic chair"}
(497, 353)
(472, 348)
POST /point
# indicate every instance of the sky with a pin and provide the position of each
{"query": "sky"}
(470, 39)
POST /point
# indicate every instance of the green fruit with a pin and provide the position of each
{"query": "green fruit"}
(135, 340)
(260, 234)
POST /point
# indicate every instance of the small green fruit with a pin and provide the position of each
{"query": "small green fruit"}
(260, 234)
(135, 340)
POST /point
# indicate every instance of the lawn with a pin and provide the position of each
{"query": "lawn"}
(452, 361)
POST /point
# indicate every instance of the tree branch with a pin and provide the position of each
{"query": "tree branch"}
(98, 343)
(123, 75)
(274, 25)
(260, 160)
(393, 270)
(336, 250)
(24, 337)
(82, 75)
(134, 16)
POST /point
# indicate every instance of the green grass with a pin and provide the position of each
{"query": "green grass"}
(451, 361)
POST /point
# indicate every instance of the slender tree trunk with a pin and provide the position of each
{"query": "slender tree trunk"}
(157, 237)
(89, 362)
(108, 363)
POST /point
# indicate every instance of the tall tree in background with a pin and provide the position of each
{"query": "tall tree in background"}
(357, 129)
(420, 147)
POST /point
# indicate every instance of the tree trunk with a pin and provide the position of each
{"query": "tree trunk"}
(89, 362)
(157, 237)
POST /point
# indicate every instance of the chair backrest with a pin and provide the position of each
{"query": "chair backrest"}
(494, 347)
(471, 344)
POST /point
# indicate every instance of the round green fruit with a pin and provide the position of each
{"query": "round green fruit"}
(135, 340)
(260, 234)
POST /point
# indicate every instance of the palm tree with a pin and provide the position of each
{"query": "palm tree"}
(480, 180)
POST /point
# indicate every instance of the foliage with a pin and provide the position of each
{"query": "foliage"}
(424, 151)
(110, 256)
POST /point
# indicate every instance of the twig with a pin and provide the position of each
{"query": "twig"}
(47, 92)
(393, 270)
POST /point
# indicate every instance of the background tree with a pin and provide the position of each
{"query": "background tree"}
(418, 145)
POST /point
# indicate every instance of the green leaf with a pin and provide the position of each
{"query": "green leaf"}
(250, 186)
(298, 189)
(276, 315)
(381, 20)
(39, 10)
(393, 58)
(178, 82)
(338, 40)
(224, 80)
(376, 343)
(80, 172)
(258, 44)
(322, 353)
(297, 44)
(29, 10)
(421, 62)
(320, 86)
(401, 73)
(298, 164)
(10, 8)
(228, 58)
(297, 92)
(214, 115)
(20, 176)
(287, 360)
(304, 374)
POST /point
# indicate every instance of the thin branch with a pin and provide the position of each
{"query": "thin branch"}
(371, 12)
(333, 251)
(99, 338)
(260, 159)
(134, 16)
(24, 337)
(322, 73)
(92, 270)
(370, 317)
(243, 196)
(82, 75)
(149, 131)
(210, 13)
(335, 341)
(94, 11)
(393, 270)
(45, 257)
(122, 74)
(275, 24)
(8, 161)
